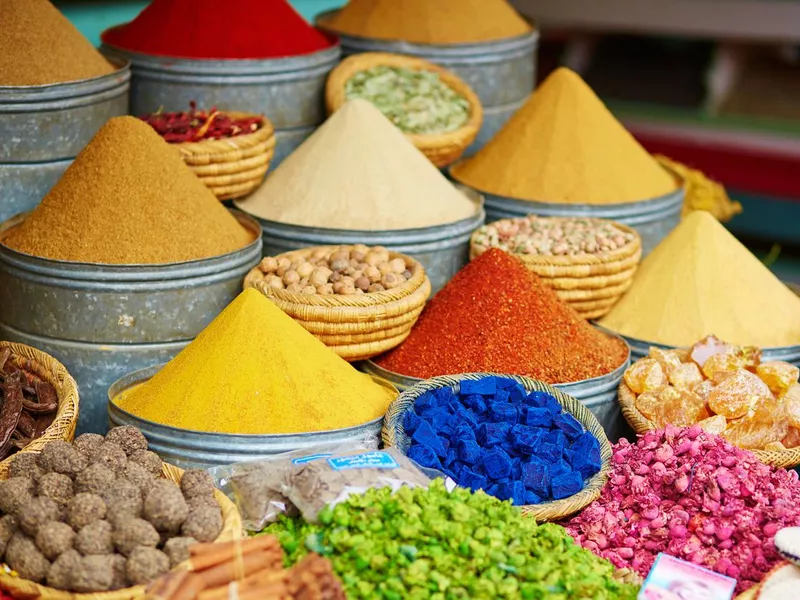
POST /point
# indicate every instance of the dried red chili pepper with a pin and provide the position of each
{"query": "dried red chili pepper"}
(497, 316)
(196, 125)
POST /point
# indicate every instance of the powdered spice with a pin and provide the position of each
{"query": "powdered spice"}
(39, 46)
(497, 316)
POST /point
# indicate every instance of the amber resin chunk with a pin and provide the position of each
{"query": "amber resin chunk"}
(763, 426)
(737, 394)
(792, 438)
(646, 375)
(686, 375)
(778, 375)
(715, 424)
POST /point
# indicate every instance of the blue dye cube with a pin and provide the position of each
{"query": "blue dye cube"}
(538, 417)
(504, 383)
(516, 467)
(555, 437)
(569, 425)
(502, 413)
(497, 463)
(476, 403)
(457, 467)
(466, 416)
(551, 403)
(517, 493)
(411, 421)
(566, 485)
(469, 452)
(493, 434)
(485, 386)
(445, 444)
(531, 498)
(463, 431)
(452, 456)
(472, 480)
(536, 399)
(438, 419)
(536, 477)
(516, 394)
(504, 491)
(548, 452)
(502, 396)
(425, 457)
(526, 439)
(587, 463)
(493, 489)
(426, 436)
(444, 395)
(426, 401)
(558, 468)
(447, 430)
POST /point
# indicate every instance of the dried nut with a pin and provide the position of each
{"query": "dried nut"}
(269, 264)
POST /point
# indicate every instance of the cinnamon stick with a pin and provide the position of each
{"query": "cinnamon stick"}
(205, 556)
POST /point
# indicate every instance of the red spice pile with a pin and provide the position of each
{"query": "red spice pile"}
(232, 29)
(195, 125)
(497, 316)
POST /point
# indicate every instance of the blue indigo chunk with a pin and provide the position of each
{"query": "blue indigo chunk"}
(531, 498)
(476, 403)
(503, 413)
(555, 437)
(566, 485)
(558, 468)
(469, 452)
(548, 452)
(493, 434)
(538, 417)
(526, 439)
(518, 493)
(485, 386)
(472, 480)
(424, 402)
(497, 463)
(424, 457)
(516, 394)
(536, 477)
(411, 421)
(569, 425)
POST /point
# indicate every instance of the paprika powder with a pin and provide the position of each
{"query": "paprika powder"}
(496, 316)
(208, 29)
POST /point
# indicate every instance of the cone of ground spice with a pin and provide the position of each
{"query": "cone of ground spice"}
(429, 21)
(39, 46)
(496, 316)
(128, 199)
(565, 146)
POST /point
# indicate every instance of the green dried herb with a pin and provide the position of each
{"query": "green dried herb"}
(415, 101)
(430, 544)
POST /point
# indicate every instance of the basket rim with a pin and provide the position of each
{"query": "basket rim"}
(369, 300)
(66, 419)
(335, 95)
(265, 131)
(546, 511)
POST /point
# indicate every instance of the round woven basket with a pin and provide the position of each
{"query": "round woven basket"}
(355, 327)
(590, 283)
(782, 459)
(232, 167)
(27, 590)
(394, 434)
(442, 149)
(53, 372)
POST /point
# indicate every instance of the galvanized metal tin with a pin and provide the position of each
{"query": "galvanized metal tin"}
(289, 91)
(44, 127)
(101, 321)
(790, 354)
(599, 394)
(502, 73)
(200, 450)
(442, 249)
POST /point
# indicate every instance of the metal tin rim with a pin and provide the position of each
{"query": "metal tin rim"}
(637, 343)
(142, 375)
(99, 272)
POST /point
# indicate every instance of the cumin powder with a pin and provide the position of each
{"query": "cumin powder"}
(565, 146)
(39, 46)
(128, 199)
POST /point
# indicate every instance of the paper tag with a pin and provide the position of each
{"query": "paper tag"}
(310, 458)
(367, 460)
(675, 579)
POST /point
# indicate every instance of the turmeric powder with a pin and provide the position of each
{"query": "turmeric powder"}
(564, 146)
(255, 370)
(701, 280)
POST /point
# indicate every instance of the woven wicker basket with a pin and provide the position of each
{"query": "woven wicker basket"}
(27, 590)
(232, 167)
(591, 283)
(442, 149)
(54, 373)
(355, 327)
(393, 434)
(782, 459)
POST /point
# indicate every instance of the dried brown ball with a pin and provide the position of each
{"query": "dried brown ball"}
(15, 493)
(57, 487)
(87, 443)
(112, 456)
(199, 501)
(197, 482)
(25, 464)
(59, 575)
(203, 524)
(85, 508)
(131, 533)
(24, 557)
(95, 479)
(95, 538)
(36, 513)
(130, 439)
(145, 565)
(54, 538)
(119, 569)
(93, 574)
(149, 460)
(177, 549)
(124, 499)
(8, 527)
(165, 507)
(59, 456)
(139, 476)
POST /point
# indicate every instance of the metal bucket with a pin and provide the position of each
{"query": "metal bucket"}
(289, 91)
(44, 127)
(102, 321)
(599, 394)
(442, 249)
(790, 354)
(502, 73)
(189, 449)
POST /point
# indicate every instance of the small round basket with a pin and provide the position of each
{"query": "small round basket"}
(26, 590)
(235, 166)
(590, 283)
(781, 459)
(355, 327)
(393, 434)
(53, 372)
(442, 149)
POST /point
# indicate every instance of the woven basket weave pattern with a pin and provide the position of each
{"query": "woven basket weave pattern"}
(54, 373)
(442, 149)
(393, 434)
